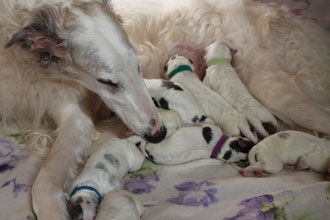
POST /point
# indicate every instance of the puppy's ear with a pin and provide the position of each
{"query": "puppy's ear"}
(233, 51)
(165, 68)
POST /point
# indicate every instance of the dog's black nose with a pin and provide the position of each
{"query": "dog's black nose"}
(157, 137)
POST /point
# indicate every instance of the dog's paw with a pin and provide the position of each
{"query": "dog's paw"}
(257, 117)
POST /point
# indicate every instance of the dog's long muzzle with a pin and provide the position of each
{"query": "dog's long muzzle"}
(156, 137)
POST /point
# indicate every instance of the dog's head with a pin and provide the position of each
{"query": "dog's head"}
(84, 206)
(219, 50)
(175, 62)
(83, 41)
(235, 149)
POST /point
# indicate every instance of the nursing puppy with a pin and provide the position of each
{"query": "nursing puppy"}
(192, 143)
(171, 120)
(102, 173)
(170, 95)
(222, 78)
(295, 148)
(180, 70)
(120, 205)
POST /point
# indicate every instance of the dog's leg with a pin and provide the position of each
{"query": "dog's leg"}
(258, 167)
(74, 135)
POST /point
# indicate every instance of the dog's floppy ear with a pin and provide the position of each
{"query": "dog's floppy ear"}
(36, 37)
(41, 36)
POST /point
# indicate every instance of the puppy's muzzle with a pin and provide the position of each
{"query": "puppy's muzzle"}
(156, 137)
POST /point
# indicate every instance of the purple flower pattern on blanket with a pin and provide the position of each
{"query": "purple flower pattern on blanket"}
(195, 194)
(264, 207)
(10, 152)
(140, 184)
(252, 209)
(17, 188)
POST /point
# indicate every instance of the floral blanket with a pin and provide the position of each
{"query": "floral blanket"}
(196, 190)
(203, 189)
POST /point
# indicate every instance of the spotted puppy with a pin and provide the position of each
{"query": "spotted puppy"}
(295, 148)
(222, 78)
(171, 120)
(192, 143)
(120, 205)
(103, 173)
(172, 96)
(180, 70)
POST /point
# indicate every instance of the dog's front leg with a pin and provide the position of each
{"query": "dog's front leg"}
(74, 135)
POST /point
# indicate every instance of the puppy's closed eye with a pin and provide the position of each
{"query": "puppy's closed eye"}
(191, 61)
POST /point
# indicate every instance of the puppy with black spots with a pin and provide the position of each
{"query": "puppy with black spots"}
(180, 70)
(172, 96)
(222, 78)
(294, 149)
(192, 143)
(103, 172)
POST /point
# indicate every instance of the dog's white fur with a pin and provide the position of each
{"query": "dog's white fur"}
(171, 120)
(181, 101)
(223, 79)
(283, 60)
(68, 46)
(223, 114)
(104, 171)
(289, 147)
(191, 143)
(120, 205)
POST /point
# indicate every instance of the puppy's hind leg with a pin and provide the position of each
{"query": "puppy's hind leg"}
(258, 167)
(74, 135)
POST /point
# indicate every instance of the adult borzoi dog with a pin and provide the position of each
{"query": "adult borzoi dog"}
(52, 54)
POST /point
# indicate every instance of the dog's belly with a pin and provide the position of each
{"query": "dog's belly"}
(270, 61)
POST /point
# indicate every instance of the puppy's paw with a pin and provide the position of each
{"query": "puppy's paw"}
(258, 116)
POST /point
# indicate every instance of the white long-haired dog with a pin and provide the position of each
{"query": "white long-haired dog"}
(283, 60)
(52, 53)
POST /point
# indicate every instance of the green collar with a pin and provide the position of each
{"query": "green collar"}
(180, 69)
(218, 61)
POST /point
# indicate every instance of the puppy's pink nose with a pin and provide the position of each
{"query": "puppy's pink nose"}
(157, 136)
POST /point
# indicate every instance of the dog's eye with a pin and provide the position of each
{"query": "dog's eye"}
(165, 68)
(108, 82)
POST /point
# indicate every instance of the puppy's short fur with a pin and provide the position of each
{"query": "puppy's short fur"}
(192, 143)
(170, 95)
(289, 147)
(104, 171)
(120, 205)
(222, 78)
(224, 115)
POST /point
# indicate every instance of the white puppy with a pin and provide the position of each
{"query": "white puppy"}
(192, 143)
(289, 147)
(222, 78)
(180, 70)
(102, 173)
(120, 205)
(173, 96)
(171, 120)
